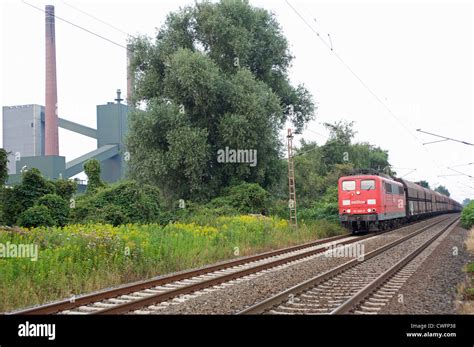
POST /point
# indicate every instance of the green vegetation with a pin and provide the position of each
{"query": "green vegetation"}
(121, 203)
(467, 215)
(244, 198)
(3, 166)
(35, 216)
(215, 77)
(21, 197)
(81, 258)
(92, 170)
(57, 207)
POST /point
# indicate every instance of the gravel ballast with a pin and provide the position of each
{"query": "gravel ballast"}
(234, 296)
(432, 289)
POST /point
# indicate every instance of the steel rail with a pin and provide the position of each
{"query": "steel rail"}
(275, 300)
(67, 304)
(157, 298)
(347, 306)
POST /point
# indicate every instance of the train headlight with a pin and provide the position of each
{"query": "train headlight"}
(373, 210)
(368, 210)
(348, 210)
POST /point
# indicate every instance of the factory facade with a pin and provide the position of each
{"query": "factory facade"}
(24, 137)
(30, 132)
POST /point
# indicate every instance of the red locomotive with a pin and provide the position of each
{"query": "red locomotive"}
(368, 201)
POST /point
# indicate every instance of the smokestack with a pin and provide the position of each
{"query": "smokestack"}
(51, 104)
(129, 74)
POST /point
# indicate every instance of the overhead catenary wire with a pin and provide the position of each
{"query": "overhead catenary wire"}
(78, 26)
(98, 19)
(377, 98)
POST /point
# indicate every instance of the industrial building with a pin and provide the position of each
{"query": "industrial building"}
(24, 137)
(30, 132)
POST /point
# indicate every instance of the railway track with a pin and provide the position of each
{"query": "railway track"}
(361, 287)
(133, 297)
(166, 287)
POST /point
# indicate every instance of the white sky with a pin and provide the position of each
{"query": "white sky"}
(415, 56)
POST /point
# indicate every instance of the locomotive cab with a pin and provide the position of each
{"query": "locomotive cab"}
(359, 201)
(369, 202)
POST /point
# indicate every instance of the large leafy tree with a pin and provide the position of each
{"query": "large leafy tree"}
(214, 77)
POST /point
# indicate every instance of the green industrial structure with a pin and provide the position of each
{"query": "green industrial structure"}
(24, 138)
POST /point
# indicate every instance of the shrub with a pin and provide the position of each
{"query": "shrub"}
(58, 208)
(65, 188)
(36, 216)
(245, 198)
(467, 215)
(127, 201)
(112, 214)
(24, 195)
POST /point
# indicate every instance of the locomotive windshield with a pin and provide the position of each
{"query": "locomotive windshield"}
(348, 185)
(367, 184)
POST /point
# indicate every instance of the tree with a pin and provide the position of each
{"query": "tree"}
(214, 78)
(466, 201)
(318, 168)
(3, 167)
(336, 148)
(424, 184)
(92, 170)
(442, 190)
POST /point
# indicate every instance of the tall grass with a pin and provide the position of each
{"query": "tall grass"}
(77, 259)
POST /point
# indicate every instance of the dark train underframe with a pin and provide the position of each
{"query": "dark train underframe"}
(370, 222)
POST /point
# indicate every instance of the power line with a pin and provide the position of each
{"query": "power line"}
(363, 83)
(461, 173)
(319, 134)
(445, 138)
(77, 26)
(463, 165)
(98, 19)
(329, 46)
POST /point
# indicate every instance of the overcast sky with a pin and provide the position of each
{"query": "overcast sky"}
(416, 57)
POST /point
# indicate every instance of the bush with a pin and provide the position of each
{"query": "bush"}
(58, 208)
(24, 195)
(325, 208)
(244, 198)
(127, 201)
(36, 216)
(112, 214)
(65, 188)
(467, 215)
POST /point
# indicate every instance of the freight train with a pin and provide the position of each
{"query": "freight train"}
(378, 201)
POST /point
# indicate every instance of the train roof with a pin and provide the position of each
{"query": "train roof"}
(384, 177)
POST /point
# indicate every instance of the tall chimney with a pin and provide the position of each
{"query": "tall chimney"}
(129, 74)
(51, 106)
